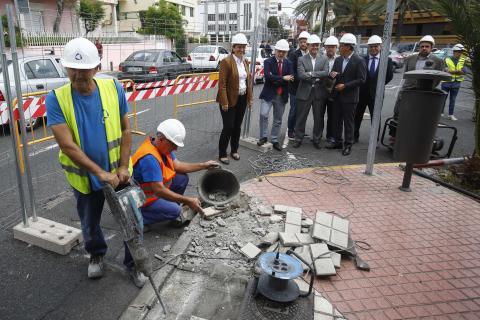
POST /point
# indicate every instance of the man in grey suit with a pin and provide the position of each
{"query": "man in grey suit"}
(417, 62)
(350, 72)
(311, 92)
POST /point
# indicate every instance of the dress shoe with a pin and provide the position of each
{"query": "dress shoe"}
(277, 146)
(262, 141)
(334, 146)
(296, 144)
(347, 150)
(224, 160)
(291, 134)
(235, 156)
(316, 145)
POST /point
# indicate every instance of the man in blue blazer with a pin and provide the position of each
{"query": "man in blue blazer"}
(278, 74)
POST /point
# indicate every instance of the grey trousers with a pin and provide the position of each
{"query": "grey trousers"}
(278, 109)
(318, 106)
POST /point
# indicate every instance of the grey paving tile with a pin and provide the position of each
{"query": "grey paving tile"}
(250, 250)
(339, 238)
(304, 238)
(294, 218)
(292, 228)
(319, 250)
(321, 232)
(289, 239)
(323, 218)
(325, 267)
(340, 224)
(336, 259)
(321, 304)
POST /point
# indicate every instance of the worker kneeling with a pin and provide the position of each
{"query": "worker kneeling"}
(162, 176)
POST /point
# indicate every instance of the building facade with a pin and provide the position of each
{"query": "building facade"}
(219, 20)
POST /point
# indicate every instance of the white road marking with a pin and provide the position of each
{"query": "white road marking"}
(291, 156)
(47, 148)
(391, 87)
(285, 141)
(139, 112)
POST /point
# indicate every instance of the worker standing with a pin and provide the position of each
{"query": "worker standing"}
(278, 74)
(331, 46)
(162, 176)
(88, 118)
(293, 86)
(349, 71)
(456, 67)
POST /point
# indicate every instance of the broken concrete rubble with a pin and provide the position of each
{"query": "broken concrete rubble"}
(282, 209)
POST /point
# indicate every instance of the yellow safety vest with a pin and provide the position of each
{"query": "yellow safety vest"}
(76, 176)
(452, 67)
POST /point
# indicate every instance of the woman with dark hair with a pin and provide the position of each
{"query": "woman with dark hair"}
(234, 94)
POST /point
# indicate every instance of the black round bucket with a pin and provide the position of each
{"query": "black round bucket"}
(218, 187)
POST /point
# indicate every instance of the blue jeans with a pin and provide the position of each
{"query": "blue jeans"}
(292, 114)
(278, 109)
(162, 210)
(89, 208)
(452, 88)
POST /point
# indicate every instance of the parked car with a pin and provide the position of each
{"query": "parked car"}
(153, 65)
(261, 56)
(207, 57)
(397, 59)
(37, 73)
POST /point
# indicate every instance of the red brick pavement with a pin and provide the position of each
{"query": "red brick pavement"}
(425, 245)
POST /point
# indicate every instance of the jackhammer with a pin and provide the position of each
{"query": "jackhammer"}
(124, 205)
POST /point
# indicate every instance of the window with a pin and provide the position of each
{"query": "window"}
(41, 69)
(211, 27)
(170, 57)
(211, 17)
(227, 39)
(233, 27)
(183, 9)
(204, 49)
(191, 12)
(213, 39)
(143, 56)
(220, 38)
(176, 58)
(233, 16)
(247, 16)
(223, 50)
(222, 17)
(222, 27)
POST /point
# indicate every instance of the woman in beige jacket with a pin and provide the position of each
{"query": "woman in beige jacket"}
(234, 94)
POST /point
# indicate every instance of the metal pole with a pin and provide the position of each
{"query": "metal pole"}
(8, 96)
(253, 60)
(407, 178)
(382, 74)
(18, 89)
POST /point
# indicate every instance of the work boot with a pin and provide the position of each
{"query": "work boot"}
(137, 277)
(95, 267)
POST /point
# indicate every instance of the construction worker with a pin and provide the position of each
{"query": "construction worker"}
(331, 46)
(293, 86)
(88, 118)
(311, 93)
(349, 72)
(278, 74)
(456, 67)
(369, 88)
(162, 176)
(417, 62)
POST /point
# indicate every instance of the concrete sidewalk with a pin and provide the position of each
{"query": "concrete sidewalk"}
(425, 245)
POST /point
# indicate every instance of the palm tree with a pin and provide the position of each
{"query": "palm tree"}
(465, 19)
(353, 10)
(310, 10)
(58, 18)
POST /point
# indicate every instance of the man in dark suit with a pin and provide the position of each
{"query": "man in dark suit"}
(311, 93)
(292, 88)
(278, 74)
(350, 72)
(369, 88)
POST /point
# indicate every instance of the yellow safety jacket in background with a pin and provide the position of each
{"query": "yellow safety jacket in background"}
(452, 67)
(76, 176)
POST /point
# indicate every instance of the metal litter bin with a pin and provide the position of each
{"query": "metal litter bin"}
(419, 114)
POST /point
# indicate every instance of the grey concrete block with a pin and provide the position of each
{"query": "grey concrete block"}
(319, 250)
(250, 250)
(265, 210)
(269, 239)
(275, 218)
(307, 222)
(340, 224)
(292, 228)
(323, 218)
(321, 316)
(321, 232)
(305, 254)
(305, 230)
(49, 235)
(304, 238)
(302, 285)
(322, 305)
(251, 143)
(289, 239)
(336, 259)
(210, 212)
(325, 267)
(187, 214)
(280, 208)
(339, 238)
(293, 217)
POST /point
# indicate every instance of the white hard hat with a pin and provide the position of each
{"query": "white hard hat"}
(348, 38)
(282, 45)
(304, 35)
(458, 47)
(173, 130)
(239, 38)
(374, 40)
(313, 39)
(428, 38)
(331, 41)
(80, 53)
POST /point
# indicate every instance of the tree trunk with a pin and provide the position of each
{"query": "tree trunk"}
(324, 18)
(58, 18)
(398, 32)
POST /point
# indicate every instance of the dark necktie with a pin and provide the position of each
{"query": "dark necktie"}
(279, 89)
(372, 67)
